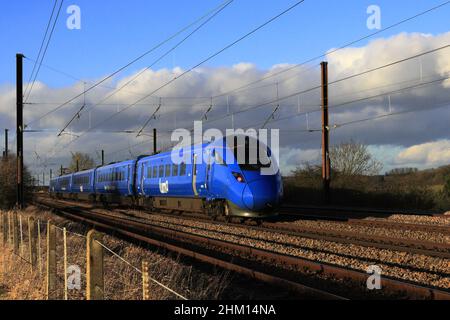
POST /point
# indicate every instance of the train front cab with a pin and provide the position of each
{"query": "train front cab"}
(248, 192)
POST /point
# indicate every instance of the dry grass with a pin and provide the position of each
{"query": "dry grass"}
(122, 281)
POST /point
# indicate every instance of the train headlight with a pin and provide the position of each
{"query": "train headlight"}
(239, 177)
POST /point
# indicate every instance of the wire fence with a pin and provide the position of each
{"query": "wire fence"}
(62, 264)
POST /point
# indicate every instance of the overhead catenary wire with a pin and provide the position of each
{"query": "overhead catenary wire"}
(391, 114)
(226, 4)
(45, 50)
(331, 107)
(339, 48)
(329, 52)
(165, 54)
(333, 51)
(206, 59)
(42, 45)
(398, 23)
(331, 83)
(76, 78)
(319, 86)
(322, 55)
(315, 88)
(127, 65)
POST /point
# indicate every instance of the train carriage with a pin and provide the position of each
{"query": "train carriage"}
(83, 185)
(114, 183)
(61, 187)
(208, 179)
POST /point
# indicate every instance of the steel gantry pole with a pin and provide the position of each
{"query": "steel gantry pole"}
(326, 170)
(5, 154)
(19, 129)
(154, 141)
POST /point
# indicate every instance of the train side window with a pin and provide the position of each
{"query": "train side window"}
(182, 169)
(168, 170)
(161, 171)
(175, 170)
(149, 172)
(155, 171)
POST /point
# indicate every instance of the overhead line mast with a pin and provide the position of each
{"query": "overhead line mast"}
(19, 130)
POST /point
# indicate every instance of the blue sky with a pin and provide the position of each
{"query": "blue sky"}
(113, 32)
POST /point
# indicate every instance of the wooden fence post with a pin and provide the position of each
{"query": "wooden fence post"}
(9, 228)
(51, 262)
(5, 228)
(15, 233)
(94, 270)
(145, 281)
(39, 254)
(32, 242)
(21, 235)
(65, 263)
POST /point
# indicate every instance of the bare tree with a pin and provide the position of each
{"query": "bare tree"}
(353, 158)
(84, 161)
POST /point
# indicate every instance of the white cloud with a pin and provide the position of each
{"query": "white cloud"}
(429, 154)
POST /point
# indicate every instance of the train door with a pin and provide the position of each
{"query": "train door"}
(128, 179)
(194, 174)
(142, 179)
(209, 169)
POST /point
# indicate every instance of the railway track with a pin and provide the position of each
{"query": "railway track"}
(367, 220)
(428, 248)
(257, 263)
(355, 212)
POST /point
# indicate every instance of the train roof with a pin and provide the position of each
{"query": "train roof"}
(116, 164)
(87, 171)
(165, 154)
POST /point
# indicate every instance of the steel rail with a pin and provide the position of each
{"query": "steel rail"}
(132, 229)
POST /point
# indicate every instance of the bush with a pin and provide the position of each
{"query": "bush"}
(447, 186)
(8, 182)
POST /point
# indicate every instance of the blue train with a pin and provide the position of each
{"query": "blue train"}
(208, 180)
